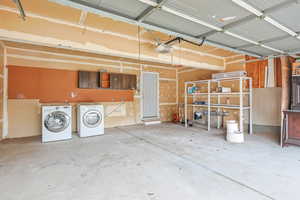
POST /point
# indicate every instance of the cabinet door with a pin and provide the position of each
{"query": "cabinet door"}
(129, 82)
(88, 79)
(116, 81)
(93, 80)
(122, 81)
(83, 79)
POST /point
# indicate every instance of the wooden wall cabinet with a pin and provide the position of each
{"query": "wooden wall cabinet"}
(122, 81)
(88, 79)
(117, 81)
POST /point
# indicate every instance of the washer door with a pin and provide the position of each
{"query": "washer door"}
(92, 118)
(57, 121)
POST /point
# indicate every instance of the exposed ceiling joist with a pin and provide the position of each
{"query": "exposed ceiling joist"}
(84, 6)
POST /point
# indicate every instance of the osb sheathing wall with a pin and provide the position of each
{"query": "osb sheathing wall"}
(55, 25)
(25, 114)
(235, 63)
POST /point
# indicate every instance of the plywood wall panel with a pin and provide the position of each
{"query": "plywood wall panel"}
(167, 111)
(256, 70)
(111, 25)
(40, 27)
(234, 58)
(191, 76)
(167, 91)
(50, 85)
(40, 30)
(235, 67)
(197, 57)
(58, 65)
(24, 118)
(163, 73)
(48, 9)
(67, 57)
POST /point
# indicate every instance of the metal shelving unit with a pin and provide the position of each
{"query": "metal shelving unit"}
(241, 93)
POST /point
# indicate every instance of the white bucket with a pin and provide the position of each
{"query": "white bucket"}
(232, 126)
(235, 137)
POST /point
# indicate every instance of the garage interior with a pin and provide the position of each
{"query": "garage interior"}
(149, 99)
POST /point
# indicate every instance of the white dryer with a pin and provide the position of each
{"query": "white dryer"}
(56, 123)
(90, 120)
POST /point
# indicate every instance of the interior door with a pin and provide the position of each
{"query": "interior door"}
(150, 105)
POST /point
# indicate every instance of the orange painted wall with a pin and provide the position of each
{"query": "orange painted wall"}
(57, 86)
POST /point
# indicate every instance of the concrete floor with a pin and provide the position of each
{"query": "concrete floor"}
(159, 162)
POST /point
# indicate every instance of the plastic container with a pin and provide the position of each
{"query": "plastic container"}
(235, 137)
(232, 126)
(233, 134)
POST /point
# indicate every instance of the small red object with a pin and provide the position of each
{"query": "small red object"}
(175, 117)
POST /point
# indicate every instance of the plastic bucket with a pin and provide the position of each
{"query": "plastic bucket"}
(232, 126)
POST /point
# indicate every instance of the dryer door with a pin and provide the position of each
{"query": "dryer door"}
(57, 121)
(92, 118)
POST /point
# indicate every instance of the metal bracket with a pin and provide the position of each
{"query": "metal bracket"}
(20, 7)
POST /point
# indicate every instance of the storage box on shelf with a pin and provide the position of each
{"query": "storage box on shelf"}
(208, 94)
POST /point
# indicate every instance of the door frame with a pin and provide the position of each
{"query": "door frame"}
(142, 94)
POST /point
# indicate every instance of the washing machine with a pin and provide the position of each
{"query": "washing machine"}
(90, 120)
(56, 123)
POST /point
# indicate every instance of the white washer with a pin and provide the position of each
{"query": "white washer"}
(90, 120)
(56, 123)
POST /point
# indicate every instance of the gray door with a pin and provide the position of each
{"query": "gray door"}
(150, 92)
